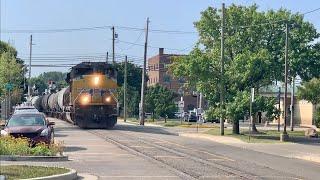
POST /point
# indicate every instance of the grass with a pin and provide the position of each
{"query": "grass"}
(172, 123)
(270, 136)
(20, 146)
(24, 171)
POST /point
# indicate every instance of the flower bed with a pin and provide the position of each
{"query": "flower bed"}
(20, 147)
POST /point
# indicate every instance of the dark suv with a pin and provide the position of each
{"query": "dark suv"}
(33, 126)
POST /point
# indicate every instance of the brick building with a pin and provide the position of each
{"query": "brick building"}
(158, 73)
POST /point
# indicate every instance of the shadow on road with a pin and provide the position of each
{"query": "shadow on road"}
(60, 135)
(143, 129)
(74, 148)
(305, 140)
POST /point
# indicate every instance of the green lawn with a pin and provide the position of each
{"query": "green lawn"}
(270, 136)
(172, 123)
(24, 171)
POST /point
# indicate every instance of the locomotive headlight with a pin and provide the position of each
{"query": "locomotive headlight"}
(108, 99)
(84, 99)
(96, 80)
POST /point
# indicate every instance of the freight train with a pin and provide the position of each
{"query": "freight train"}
(90, 100)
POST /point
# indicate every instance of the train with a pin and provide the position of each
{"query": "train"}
(89, 100)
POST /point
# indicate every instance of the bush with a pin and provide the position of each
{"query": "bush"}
(20, 146)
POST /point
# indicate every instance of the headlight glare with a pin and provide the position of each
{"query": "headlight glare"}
(85, 99)
(96, 80)
(108, 99)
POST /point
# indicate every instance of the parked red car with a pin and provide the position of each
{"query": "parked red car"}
(31, 125)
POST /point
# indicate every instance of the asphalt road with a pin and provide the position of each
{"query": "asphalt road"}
(201, 159)
(137, 152)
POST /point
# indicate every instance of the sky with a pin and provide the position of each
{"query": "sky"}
(64, 47)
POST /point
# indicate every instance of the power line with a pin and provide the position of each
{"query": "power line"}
(154, 47)
(308, 12)
(140, 35)
(35, 31)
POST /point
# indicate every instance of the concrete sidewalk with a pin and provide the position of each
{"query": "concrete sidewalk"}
(309, 152)
(92, 156)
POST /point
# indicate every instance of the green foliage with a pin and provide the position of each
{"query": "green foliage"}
(133, 87)
(20, 146)
(41, 82)
(317, 122)
(310, 91)
(10, 69)
(25, 172)
(160, 101)
(134, 75)
(133, 99)
(254, 56)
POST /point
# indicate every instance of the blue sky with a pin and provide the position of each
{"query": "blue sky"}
(163, 14)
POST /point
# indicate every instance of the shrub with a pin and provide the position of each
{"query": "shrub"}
(20, 146)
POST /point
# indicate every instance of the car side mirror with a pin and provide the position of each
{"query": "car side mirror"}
(52, 123)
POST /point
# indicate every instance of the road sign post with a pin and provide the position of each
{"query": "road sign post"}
(250, 121)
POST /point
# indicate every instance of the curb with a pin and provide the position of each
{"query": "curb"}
(72, 175)
(33, 158)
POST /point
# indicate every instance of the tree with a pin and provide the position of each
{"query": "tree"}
(310, 91)
(133, 87)
(160, 101)
(254, 51)
(10, 72)
(41, 82)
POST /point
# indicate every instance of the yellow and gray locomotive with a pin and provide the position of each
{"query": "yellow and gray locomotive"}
(90, 100)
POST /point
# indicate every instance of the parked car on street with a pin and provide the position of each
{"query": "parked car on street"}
(23, 109)
(33, 126)
(191, 117)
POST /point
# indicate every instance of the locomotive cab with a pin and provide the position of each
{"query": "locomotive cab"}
(93, 100)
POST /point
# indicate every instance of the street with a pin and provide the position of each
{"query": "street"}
(136, 152)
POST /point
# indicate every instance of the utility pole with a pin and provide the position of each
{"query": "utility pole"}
(113, 38)
(143, 86)
(107, 57)
(125, 90)
(29, 85)
(292, 105)
(279, 107)
(222, 71)
(0, 20)
(284, 136)
(9, 101)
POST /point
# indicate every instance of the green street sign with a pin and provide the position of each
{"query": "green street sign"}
(8, 86)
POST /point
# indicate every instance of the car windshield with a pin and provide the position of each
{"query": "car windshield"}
(26, 120)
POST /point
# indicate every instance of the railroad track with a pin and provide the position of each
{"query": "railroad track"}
(186, 166)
